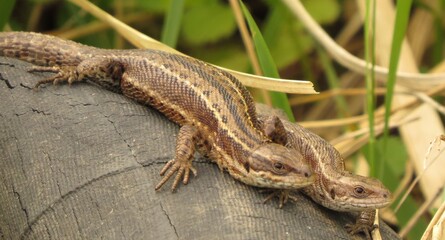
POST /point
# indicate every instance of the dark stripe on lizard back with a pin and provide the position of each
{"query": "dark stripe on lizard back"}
(215, 81)
(245, 136)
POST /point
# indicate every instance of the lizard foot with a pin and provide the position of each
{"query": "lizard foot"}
(363, 224)
(283, 195)
(62, 74)
(183, 169)
(360, 228)
(182, 163)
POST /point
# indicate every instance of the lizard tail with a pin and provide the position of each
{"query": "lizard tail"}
(42, 50)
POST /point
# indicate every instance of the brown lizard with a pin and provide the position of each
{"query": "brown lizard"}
(334, 188)
(214, 110)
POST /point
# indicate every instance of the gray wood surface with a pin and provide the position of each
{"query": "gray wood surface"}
(81, 162)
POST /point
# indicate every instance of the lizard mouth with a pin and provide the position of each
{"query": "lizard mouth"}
(296, 182)
(366, 205)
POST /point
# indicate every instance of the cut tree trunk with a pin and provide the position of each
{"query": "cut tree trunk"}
(81, 162)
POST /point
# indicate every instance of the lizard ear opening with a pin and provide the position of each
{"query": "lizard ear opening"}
(332, 193)
(247, 166)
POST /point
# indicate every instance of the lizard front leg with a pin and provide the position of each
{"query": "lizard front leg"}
(182, 163)
(363, 224)
(283, 196)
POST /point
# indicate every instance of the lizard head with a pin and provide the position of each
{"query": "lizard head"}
(358, 193)
(275, 166)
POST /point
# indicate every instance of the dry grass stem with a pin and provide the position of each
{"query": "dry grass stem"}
(352, 27)
(425, 206)
(436, 223)
(435, 143)
(245, 35)
(298, 100)
(350, 136)
(406, 180)
(376, 232)
(348, 146)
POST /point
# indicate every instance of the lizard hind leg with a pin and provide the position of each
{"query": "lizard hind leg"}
(182, 163)
(103, 71)
(62, 74)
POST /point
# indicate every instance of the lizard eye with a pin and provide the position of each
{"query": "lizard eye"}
(359, 190)
(279, 168)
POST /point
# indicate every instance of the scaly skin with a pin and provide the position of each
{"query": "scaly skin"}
(214, 110)
(334, 188)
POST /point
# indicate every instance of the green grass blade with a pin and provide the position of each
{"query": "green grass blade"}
(370, 85)
(267, 64)
(5, 11)
(172, 25)
(401, 22)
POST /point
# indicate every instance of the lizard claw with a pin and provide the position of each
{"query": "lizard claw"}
(364, 224)
(183, 170)
(360, 228)
(283, 194)
(62, 74)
